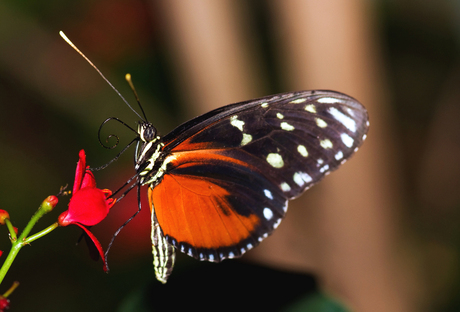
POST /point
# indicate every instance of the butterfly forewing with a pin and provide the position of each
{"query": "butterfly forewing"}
(223, 179)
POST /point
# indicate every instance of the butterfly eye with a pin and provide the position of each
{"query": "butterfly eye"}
(147, 132)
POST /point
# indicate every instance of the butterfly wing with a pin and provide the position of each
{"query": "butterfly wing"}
(225, 177)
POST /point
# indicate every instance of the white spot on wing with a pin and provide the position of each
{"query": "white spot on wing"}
(268, 194)
(328, 100)
(285, 126)
(324, 168)
(350, 111)
(338, 156)
(265, 104)
(236, 123)
(347, 140)
(343, 119)
(302, 150)
(285, 206)
(268, 213)
(279, 115)
(300, 178)
(275, 160)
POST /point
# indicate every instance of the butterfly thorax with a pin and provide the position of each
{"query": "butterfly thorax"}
(149, 156)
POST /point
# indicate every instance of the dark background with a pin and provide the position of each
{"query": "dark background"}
(381, 234)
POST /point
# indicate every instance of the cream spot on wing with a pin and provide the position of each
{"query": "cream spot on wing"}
(236, 123)
(247, 138)
(285, 126)
(285, 187)
(302, 150)
(298, 101)
(326, 143)
(321, 123)
(310, 108)
(275, 160)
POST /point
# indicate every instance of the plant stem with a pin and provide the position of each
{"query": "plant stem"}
(42, 233)
(37, 215)
(12, 288)
(11, 230)
(16, 246)
(18, 243)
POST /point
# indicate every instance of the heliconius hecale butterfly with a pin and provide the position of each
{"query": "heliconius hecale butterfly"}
(220, 183)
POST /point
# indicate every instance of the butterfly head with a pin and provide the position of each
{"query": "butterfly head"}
(147, 132)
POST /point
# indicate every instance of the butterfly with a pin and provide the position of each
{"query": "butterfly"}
(220, 183)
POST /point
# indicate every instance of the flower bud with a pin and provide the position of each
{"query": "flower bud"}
(49, 203)
(3, 215)
(4, 303)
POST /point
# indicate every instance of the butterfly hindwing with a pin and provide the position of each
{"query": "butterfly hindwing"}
(222, 180)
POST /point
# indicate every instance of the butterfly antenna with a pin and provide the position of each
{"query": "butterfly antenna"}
(61, 33)
(131, 85)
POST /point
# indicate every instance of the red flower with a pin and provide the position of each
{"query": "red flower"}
(88, 205)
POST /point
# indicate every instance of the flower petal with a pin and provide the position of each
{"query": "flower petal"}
(81, 169)
(88, 206)
(95, 241)
(88, 180)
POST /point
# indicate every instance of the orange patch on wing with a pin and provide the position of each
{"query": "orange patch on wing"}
(195, 211)
(190, 158)
(188, 145)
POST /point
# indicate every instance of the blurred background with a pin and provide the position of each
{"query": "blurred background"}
(380, 234)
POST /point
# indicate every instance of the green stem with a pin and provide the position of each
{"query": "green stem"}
(18, 243)
(9, 260)
(12, 288)
(42, 233)
(10, 227)
(37, 215)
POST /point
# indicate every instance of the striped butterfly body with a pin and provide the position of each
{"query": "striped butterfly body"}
(220, 183)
